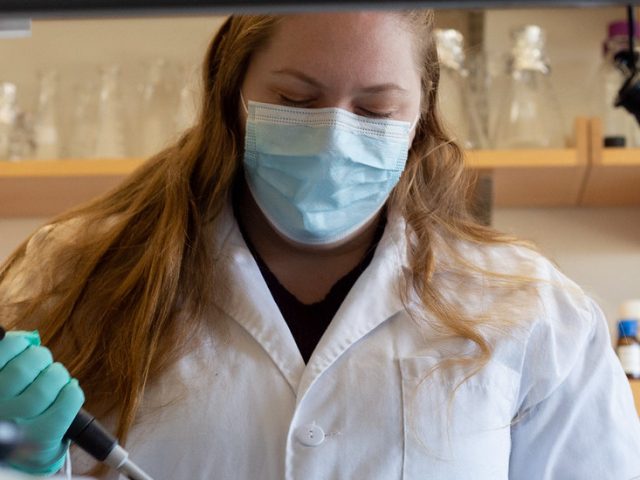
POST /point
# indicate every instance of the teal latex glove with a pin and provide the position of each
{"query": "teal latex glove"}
(40, 397)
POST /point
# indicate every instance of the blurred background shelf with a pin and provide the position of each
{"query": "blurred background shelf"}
(515, 159)
(43, 188)
(585, 175)
(614, 173)
(68, 168)
(539, 177)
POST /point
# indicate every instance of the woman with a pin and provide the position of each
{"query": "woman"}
(286, 293)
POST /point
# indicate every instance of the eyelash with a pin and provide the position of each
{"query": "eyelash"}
(304, 103)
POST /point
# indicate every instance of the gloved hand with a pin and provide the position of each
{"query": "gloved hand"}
(40, 397)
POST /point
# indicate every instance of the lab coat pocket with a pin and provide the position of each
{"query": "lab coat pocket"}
(456, 433)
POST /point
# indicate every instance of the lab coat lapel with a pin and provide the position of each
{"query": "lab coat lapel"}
(374, 298)
(245, 297)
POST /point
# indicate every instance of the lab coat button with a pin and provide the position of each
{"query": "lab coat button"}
(310, 435)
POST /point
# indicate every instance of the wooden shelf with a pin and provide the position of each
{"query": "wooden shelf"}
(68, 168)
(515, 159)
(585, 175)
(613, 178)
(537, 178)
(620, 157)
(39, 188)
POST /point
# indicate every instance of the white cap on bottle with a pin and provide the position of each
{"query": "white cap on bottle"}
(630, 310)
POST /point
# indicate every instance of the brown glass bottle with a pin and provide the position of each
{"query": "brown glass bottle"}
(628, 348)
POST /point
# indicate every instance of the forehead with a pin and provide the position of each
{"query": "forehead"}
(358, 45)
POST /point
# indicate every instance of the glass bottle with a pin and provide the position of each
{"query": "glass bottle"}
(529, 116)
(22, 143)
(8, 112)
(45, 128)
(110, 128)
(454, 93)
(186, 111)
(628, 348)
(619, 127)
(159, 102)
(82, 137)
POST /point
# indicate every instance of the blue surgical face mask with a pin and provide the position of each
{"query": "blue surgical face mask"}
(320, 175)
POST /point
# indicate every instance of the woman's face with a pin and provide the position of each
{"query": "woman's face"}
(361, 62)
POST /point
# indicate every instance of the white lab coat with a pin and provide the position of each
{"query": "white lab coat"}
(244, 406)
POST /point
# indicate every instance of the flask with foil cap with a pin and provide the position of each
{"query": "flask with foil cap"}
(529, 116)
(456, 100)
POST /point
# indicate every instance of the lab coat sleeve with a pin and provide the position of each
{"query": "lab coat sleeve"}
(585, 425)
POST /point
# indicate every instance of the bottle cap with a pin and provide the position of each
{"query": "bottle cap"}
(529, 49)
(621, 29)
(450, 44)
(628, 328)
(615, 142)
(630, 310)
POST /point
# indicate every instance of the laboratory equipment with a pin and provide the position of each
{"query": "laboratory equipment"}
(628, 347)
(86, 432)
(81, 142)
(45, 129)
(110, 131)
(159, 104)
(8, 113)
(22, 144)
(529, 116)
(629, 95)
(455, 97)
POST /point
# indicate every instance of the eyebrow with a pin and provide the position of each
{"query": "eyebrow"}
(385, 87)
(300, 76)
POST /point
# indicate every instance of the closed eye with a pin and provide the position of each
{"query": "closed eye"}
(368, 113)
(308, 102)
(295, 103)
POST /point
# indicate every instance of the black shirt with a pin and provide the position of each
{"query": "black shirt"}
(308, 322)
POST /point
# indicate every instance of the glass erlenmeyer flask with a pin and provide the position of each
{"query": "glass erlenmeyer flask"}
(82, 137)
(530, 115)
(187, 110)
(455, 97)
(22, 144)
(8, 112)
(110, 137)
(46, 123)
(159, 100)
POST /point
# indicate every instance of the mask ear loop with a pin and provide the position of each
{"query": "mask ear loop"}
(415, 123)
(244, 104)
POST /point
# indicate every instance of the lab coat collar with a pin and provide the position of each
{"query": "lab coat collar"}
(374, 298)
(245, 297)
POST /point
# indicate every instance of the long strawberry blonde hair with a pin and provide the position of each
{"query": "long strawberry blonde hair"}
(139, 267)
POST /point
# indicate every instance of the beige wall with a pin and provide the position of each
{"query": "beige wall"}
(71, 45)
(76, 49)
(599, 248)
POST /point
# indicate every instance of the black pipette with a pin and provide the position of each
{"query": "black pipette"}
(86, 432)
